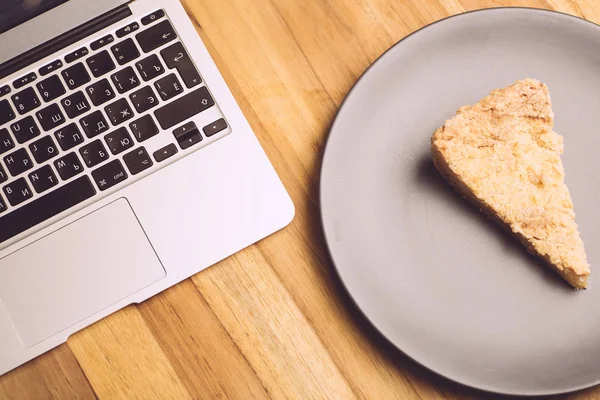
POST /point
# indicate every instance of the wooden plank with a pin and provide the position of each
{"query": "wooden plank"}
(122, 359)
(202, 353)
(254, 44)
(311, 280)
(452, 7)
(270, 330)
(54, 375)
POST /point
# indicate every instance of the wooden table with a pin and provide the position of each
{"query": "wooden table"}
(273, 320)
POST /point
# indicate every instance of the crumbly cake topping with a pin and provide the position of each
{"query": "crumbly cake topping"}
(505, 151)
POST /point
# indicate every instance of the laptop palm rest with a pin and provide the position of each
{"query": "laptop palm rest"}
(77, 271)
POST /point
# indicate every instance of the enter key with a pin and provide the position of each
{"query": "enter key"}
(175, 56)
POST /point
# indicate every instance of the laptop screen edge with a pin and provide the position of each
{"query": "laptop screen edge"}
(51, 24)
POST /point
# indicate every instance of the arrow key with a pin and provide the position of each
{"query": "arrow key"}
(166, 152)
(215, 127)
(187, 135)
(186, 130)
(190, 141)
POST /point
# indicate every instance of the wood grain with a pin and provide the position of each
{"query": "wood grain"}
(132, 363)
(271, 321)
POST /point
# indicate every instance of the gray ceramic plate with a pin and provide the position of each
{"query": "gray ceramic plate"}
(441, 282)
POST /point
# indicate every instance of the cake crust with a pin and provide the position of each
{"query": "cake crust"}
(503, 155)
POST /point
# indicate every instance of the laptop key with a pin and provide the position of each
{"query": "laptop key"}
(25, 101)
(43, 179)
(187, 135)
(118, 141)
(138, 160)
(51, 88)
(43, 149)
(45, 207)
(3, 206)
(18, 162)
(25, 129)
(126, 30)
(109, 175)
(168, 87)
(119, 112)
(185, 130)
(68, 137)
(49, 68)
(4, 90)
(175, 56)
(100, 92)
(93, 153)
(75, 104)
(215, 127)
(68, 166)
(95, 45)
(17, 192)
(50, 117)
(143, 99)
(3, 175)
(125, 51)
(6, 141)
(150, 67)
(76, 76)
(190, 141)
(143, 128)
(24, 80)
(125, 80)
(94, 124)
(166, 152)
(184, 108)
(156, 15)
(76, 55)
(6, 112)
(100, 63)
(156, 36)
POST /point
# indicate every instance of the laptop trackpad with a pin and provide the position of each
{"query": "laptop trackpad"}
(77, 271)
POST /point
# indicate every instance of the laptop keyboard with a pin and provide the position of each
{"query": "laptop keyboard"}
(78, 126)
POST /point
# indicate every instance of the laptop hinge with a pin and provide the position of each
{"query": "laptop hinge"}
(64, 40)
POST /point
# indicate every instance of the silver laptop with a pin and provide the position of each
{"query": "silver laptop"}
(126, 165)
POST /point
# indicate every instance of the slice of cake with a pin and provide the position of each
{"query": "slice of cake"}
(502, 154)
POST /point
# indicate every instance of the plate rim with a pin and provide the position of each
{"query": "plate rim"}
(327, 150)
